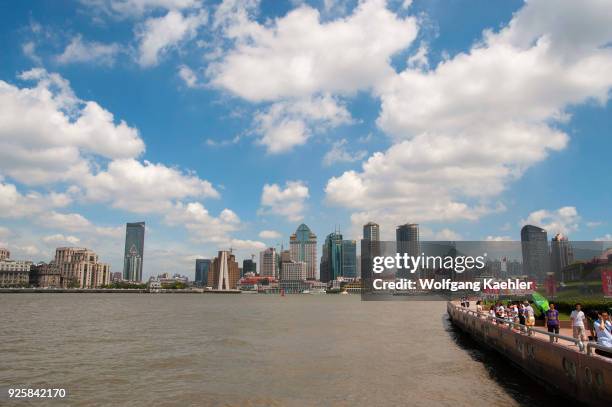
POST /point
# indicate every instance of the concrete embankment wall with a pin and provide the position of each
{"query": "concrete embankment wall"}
(583, 377)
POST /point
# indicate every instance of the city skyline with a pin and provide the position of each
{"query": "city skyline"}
(108, 118)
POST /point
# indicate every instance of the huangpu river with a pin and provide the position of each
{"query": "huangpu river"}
(248, 350)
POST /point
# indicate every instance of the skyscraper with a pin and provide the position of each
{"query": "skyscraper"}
(268, 263)
(224, 273)
(134, 251)
(534, 246)
(331, 257)
(303, 246)
(370, 248)
(407, 241)
(202, 269)
(561, 255)
(349, 259)
(249, 266)
(371, 231)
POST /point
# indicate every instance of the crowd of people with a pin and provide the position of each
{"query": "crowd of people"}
(521, 314)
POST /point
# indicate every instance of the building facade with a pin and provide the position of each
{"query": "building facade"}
(15, 273)
(224, 273)
(370, 248)
(249, 266)
(293, 271)
(331, 257)
(407, 242)
(349, 259)
(268, 263)
(536, 256)
(4, 253)
(202, 270)
(79, 268)
(45, 275)
(561, 255)
(134, 251)
(303, 246)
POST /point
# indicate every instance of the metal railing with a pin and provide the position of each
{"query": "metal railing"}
(529, 330)
(594, 345)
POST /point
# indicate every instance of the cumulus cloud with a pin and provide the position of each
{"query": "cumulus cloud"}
(288, 202)
(157, 35)
(563, 220)
(144, 187)
(470, 126)
(61, 239)
(46, 131)
(13, 204)
(88, 51)
(340, 154)
(137, 8)
(204, 227)
(188, 76)
(269, 234)
(498, 238)
(298, 55)
(287, 124)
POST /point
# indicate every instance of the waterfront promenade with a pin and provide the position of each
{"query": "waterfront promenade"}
(570, 367)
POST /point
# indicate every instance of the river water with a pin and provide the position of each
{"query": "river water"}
(251, 350)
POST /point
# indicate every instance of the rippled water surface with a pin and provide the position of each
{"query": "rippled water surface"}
(225, 350)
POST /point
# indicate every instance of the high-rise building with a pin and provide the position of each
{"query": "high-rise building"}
(248, 266)
(561, 255)
(349, 259)
(268, 263)
(224, 273)
(293, 271)
(4, 253)
(303, 245)
(331, 257)
(371, 231)
(134, 251)
(79, 268)
(534, 247)
(202, 269)
(370, 248)
(407, 241)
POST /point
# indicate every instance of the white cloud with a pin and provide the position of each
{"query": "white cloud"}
(269, 234)
(29, 50)
(288, 124)
(288, 202)
(157, 35)
(188, 76)
(88, 51)
(61, 239)
(137, 8)
(593, 224)
(13, 204)
(605, 238)
(203, 226)
(447, 235)
(144, 187)
(563, 220)
(419, 59)
(340, 154)
(498, 239)
(46, 131)
(48, 135)
(298, 55)
(476, 122)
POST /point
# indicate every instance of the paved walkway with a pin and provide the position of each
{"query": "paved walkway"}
(546, 338)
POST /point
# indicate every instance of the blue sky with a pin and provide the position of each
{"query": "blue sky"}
(243, 119)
